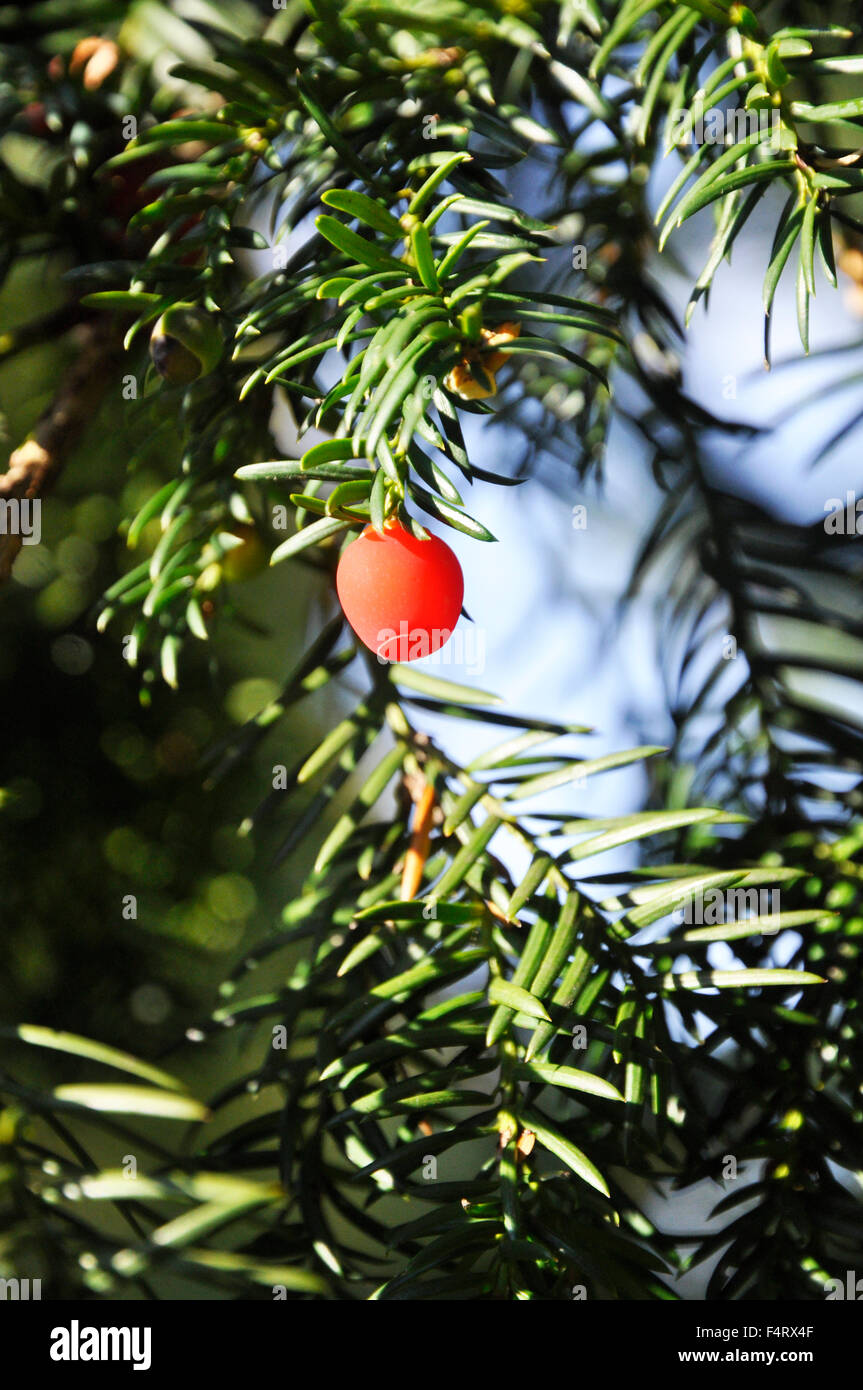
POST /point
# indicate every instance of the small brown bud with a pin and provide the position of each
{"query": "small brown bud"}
(95, 58)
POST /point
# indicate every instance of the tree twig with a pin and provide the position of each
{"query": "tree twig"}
(35, 465)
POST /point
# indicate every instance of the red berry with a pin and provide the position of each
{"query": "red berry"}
(402, 596)
(33, 116)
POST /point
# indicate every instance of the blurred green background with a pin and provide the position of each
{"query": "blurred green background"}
(102, 799)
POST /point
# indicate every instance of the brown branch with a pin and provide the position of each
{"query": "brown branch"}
(412, 874)
(35, 465)
(37, 331)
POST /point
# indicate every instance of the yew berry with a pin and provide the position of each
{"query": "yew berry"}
(125, 193)
(185, 344)
(33, 118)
(235, 554)
(247, 559)
(402, 596)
